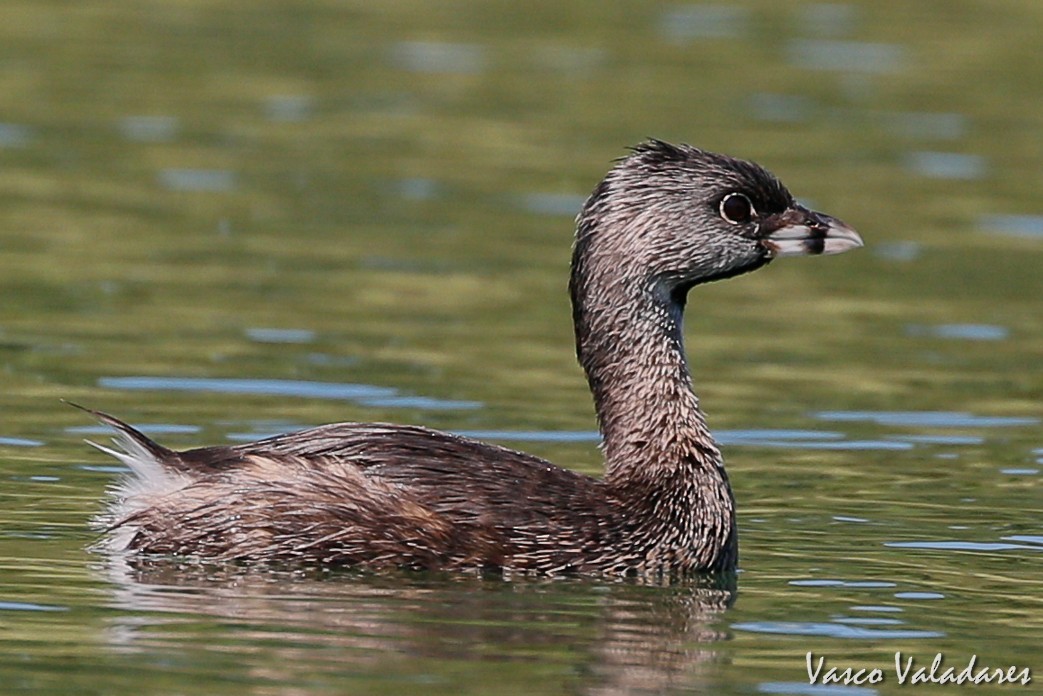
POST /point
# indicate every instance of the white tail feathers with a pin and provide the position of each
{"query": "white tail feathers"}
(148, 482)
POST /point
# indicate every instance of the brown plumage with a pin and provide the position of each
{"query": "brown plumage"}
(664, 219)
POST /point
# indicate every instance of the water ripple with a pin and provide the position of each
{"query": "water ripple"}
(565, 204)
(828, 19)
(416, 188)
(15, 135)
(804, 439)
(958, 545)
(846, 56)
(966, 332)
(802, 689)
(739, 436)
(919, 595)
(842, 583)
(903, 251)
(926, 419)
(689, 22)
(288, 108)
(877, 607)
(151, 429)
(197, 180)
(19, 442)
(946, 165)
(779, 108)
(29, 606)
(927, 125)
(868, 621)
(1028, 226)
(266, 335)
(149, 129)
(438, 57)
(851, 445)
(831, 630)
(365, 394)
(940, 439)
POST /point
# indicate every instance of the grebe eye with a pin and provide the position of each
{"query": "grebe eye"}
(736, 208)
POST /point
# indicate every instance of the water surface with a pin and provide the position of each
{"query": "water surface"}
(226, 220)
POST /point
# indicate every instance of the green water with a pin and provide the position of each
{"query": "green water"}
(289, 198)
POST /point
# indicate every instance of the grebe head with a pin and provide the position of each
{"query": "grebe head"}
(672, 216)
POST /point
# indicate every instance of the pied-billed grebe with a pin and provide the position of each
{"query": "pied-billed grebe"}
(664, 219)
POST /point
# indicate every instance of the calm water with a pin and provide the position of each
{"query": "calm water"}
(223, 220)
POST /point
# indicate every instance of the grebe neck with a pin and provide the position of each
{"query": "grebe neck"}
(630, 343)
